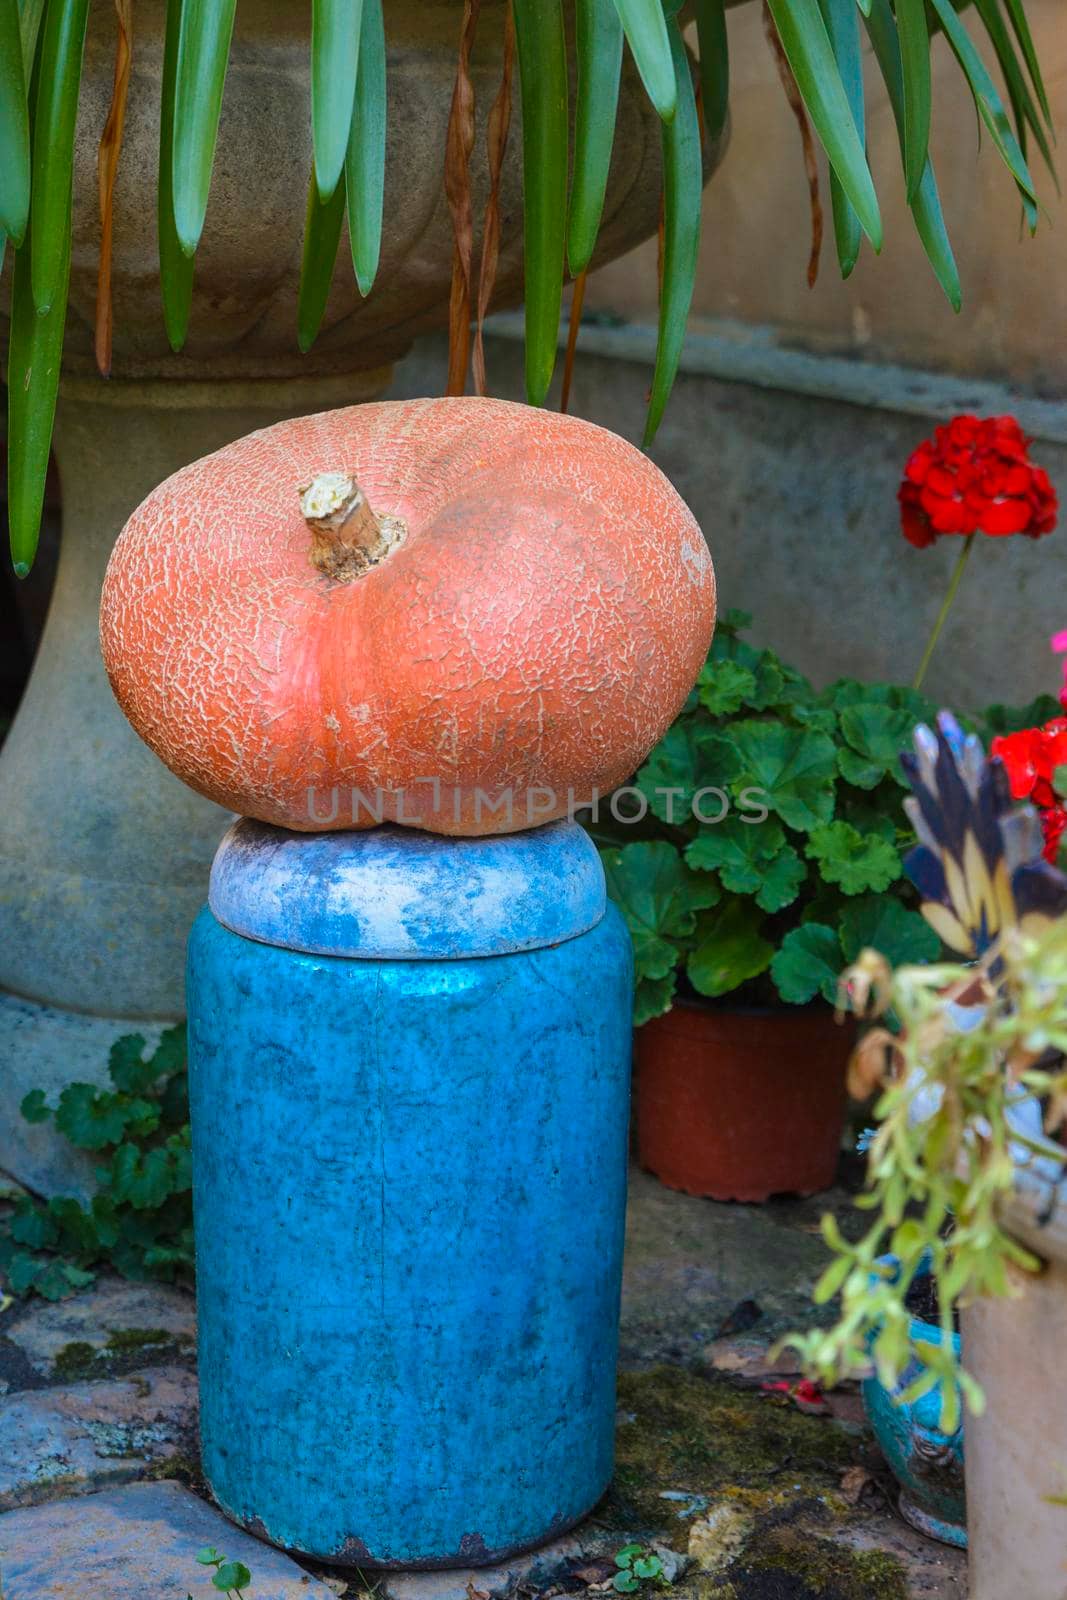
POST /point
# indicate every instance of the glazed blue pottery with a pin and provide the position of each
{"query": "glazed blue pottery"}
(409, 1079)
(927, 1463)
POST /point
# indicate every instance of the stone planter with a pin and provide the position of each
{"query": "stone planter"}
(103, 856)
(1016, 1458)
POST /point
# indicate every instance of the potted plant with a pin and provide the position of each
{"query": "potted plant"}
(104, 203)
(966, 1184)
(756, 853)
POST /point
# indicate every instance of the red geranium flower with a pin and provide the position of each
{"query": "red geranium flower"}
(975, 476)
(1030, 758)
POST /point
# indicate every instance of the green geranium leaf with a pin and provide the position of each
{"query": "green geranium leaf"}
(1013, 719)
(91, 1118)
(35, 1107)
(625, 1582)
(808, 963)
(793, 767)
(31, 1225)
(770, 678)
(738, 851)
(730, 949)
(80, 1229)
(851, 859)
(127, 1068)
(725, 686)
(653, 997)
(659, 897)
(876, 735)
(876, 811)
(782, 880)
(822, 718)
(687, 759)
(880, 922)
(143, 1180)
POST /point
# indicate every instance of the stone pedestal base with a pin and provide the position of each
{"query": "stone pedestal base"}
(104, 856)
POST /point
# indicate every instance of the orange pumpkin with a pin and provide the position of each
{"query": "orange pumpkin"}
(503, 615)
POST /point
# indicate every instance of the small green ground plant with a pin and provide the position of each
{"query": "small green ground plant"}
(637, 1564)
(231, 1578)
(140, 1219)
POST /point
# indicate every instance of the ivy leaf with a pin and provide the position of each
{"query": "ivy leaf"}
(782, 880)
(876, 735)
(851, 859)
(730, 949)
(794, 767)
(725, 686)
(34, 1106)
(808, 963)
(659, 897)
(881, 922)
(738, 851)
(653, 996)
(687, 759)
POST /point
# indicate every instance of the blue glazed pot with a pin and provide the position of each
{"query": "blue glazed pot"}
(927, 1463)
(409, 1160)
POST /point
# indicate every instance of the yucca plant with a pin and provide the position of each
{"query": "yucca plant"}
(817, 43)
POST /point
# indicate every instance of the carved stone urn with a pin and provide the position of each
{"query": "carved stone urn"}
(103, 855)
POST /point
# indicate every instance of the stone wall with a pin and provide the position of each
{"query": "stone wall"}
(795, 487)
(756, 231)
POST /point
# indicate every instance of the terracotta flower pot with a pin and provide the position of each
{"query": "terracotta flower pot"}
(740, 1105)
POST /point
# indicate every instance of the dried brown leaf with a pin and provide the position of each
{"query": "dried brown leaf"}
(458, 146)
(796, 105)
(107, 166)
(496, 139)
(871, 1064)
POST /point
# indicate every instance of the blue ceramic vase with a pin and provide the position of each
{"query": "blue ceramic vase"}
(409, 1079)
(926, 1462)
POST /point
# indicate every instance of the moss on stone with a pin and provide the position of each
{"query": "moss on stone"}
(687, 1430)
(75, 1360)
(137, 1338)
(792, 1564)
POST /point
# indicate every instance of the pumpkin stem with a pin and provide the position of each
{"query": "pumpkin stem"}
(347, 537)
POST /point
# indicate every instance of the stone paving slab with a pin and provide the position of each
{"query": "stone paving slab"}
(113, 1315)
(584, 1554)
(70, 1441)
(136, 1543)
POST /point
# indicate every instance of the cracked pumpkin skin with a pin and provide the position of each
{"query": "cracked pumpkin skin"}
(532, 632)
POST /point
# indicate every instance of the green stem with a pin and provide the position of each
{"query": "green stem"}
(954, 584)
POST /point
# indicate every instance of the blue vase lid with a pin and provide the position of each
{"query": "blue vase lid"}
(397, 894)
